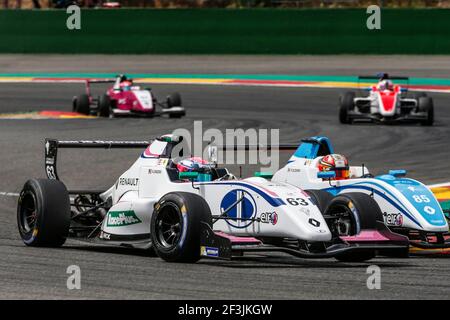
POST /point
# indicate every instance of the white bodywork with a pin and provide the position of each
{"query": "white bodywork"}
(377, 106)
(147, 180)
(405, 203)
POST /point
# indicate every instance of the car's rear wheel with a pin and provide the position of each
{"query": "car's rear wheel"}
(426, 105)
(43, 213)
(346, 102)
(176, 226)
(352, 213)
(104, 106)
(82, 104)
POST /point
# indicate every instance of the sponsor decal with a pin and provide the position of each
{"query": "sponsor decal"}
(429, 210)
(293, 170)
(393, 219)
(314, 222)
(355, 215)
(122, 218)
(209, 251)
(269, 217)
(129, 182)
(104, 235)
(154, 171)
(238, 204)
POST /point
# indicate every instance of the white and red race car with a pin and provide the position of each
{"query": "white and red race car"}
(126, 99)
(386, 103)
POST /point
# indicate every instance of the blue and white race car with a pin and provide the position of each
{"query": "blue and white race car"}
(409, 207)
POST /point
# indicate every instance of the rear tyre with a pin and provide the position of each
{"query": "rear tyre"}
(43, 213)
(426, 105)
(104, 106)
(320, 198)
(174, 100)
(356, 211)
(176, 226)
(82, 104)
(346, 105)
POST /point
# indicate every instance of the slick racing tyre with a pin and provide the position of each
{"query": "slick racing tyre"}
(425, 104)
(346, 105)
(354, 212)
(104, 106)
(174, 100)
(176, 226)
(82, 104)
(43, 213)
(320, 198)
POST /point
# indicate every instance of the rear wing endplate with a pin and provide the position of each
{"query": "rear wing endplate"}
(52, 146)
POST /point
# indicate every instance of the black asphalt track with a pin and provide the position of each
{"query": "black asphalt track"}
(123, 274)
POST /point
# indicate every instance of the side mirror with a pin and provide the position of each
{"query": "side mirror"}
(397, 173)
(265, 175)
(188, 175)
(326, 174)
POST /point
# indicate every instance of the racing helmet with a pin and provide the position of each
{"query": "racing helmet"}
(385, 85)
(337, 163)
(192, 164)
(126, 85)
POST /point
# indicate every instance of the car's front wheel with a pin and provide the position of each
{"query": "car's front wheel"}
(346, 105)
(174, 100)
(350, 213)
(104, 106)
(176, 226)
(425, 104)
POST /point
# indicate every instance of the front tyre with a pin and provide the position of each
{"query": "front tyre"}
(347, 105)
(174, 100)
(425, 104)
(43, 213)
(353, 213)
(176, 226)
(104, 106)
(320, 198)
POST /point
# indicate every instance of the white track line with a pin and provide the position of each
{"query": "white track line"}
(9, 194)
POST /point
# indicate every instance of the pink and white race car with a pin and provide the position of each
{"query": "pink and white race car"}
(386, 103)
(126, 99)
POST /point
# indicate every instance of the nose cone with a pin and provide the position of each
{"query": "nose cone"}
(307, 223)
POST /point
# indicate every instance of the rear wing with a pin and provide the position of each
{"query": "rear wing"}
(378, 78)
(52, 146)
(88, 83)
(386, 77)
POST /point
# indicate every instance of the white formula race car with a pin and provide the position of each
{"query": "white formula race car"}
(387, 103)
(184, 216)
(408, 206)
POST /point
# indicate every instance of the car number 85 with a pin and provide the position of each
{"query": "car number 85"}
(421, 198)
